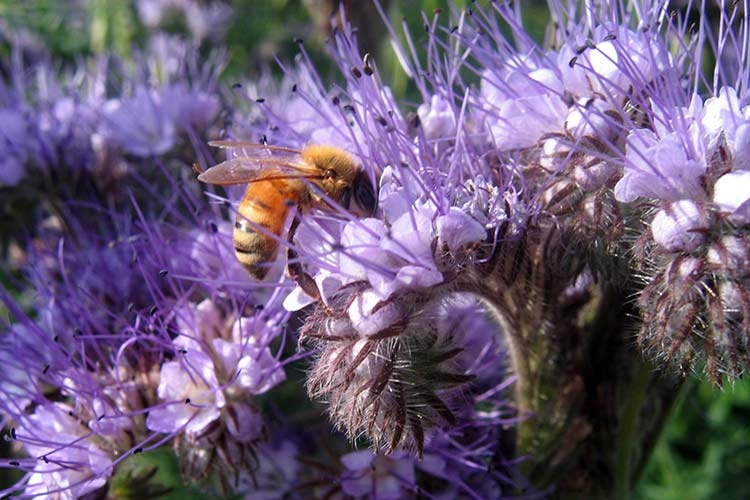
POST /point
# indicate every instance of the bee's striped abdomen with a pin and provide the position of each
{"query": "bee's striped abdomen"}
(262, 213)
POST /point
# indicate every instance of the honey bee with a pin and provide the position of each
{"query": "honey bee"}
(279, 179)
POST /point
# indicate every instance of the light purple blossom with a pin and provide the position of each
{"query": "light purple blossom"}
(378, 476)
(211, 372)
(483, 201)
(396, 253)
(610, 60)
(403, 258)
(277, 472)
(587, 117)
(140, 124)
(659, 168)
(524, 103)
(258, 371)
(437, 118)
(680, 226)
(458, 230)
(19, 385)
(204, 21)
(68, 461)
(723, 118)
(319, 239)
(189, 109)
(732, 195)
(369, 315)
(670, 163)
(191, 388)
(15, 130)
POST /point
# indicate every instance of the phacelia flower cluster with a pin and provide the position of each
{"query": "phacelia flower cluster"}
(696, 251)
(471, 338)
(129, 324)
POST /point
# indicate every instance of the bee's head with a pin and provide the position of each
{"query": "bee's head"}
(343, 179)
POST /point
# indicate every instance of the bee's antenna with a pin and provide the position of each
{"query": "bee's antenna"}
(198, 169)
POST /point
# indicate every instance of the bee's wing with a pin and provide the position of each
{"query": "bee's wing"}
(244, 148)
(254, 162)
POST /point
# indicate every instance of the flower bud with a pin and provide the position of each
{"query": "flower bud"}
(680, 226)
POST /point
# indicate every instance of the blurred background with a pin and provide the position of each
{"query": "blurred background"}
(705, 452)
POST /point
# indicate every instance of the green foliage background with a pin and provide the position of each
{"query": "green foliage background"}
(705, 451)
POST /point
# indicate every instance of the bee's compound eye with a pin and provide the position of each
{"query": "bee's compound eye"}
(346, 198)
(365, 196)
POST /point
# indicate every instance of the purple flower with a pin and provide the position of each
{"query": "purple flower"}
(693, 173)
(17, 384)
(458, 230)
(589, 118)
(122, 344)
(437, 118)
(378, 476)
(205, 22)
(680, 226)
(68, 115)
(659, 168)
(190, 109)
(96, 123)
(14, 146)
(191, 388)
(397, 256)
(140, 125)
(524, 103)
(609, 61)
(278, 471)
(723, 119)
(732, 195)
(69, 461)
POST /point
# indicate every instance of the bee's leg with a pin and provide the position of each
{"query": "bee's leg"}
(294, 268)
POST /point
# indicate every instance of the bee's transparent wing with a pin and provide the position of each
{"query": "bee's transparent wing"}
(253, 162)
(238, 149)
